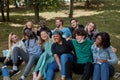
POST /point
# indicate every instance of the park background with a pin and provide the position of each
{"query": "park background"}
(105, 13)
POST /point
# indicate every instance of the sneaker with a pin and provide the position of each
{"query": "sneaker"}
(21, 79)
(12, 73)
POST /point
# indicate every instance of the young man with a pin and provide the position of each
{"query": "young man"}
(83, 64)
(59, 26)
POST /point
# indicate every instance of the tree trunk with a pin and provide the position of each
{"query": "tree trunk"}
(36, 12)
(8, 17)
(2, 10)
(71, 9)
(87, 4)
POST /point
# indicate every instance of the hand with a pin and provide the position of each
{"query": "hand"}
(60, 68)
(101, 60)
(114, 49)
(7, 59)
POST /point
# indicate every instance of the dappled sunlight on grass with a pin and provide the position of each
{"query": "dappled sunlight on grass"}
(63, 13)
(118, 36)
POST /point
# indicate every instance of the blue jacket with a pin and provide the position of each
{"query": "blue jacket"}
(33, 47)
(105, 54)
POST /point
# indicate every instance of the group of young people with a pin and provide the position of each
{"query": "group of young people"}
(78, 49)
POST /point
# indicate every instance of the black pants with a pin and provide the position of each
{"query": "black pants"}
(10, 63)
(85, 69)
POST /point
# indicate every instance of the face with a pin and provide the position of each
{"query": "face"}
(98, 40)
(79, 38)
(91, 27)
(44, 35)
(58, 23)
(42, 24)
(29, 25)
(14, 38)
(57, 38)
(74, 24)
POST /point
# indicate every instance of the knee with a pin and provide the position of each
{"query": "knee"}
(16, 48)
(105, 65)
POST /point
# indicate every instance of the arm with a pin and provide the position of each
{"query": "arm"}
(57, 61)
(113, 58)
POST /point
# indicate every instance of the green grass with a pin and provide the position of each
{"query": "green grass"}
(108, 20)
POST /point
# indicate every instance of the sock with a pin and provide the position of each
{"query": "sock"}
(15, 68)
(22, 77)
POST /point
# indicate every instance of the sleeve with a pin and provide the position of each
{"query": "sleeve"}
(71, 46)
(94, 53)
(112, 56)
(53, 49)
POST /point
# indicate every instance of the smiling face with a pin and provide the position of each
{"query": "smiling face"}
(74, 24)
(57, 38)
(98, 40)
(58, 23)
(91, 27)
(44, 35)
(79, 38)
(14, 38)
(29, 25)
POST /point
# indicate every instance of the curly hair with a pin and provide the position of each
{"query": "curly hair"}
(105, 39)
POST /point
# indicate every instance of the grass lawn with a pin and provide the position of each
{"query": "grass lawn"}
(106, 17)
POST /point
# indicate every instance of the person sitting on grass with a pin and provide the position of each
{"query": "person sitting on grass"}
(46, 57)
(103, 57)
(83, 63)
(34, 51)
(62, 51)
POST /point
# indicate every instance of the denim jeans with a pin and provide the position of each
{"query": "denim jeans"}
(54, 67)
(101, 71)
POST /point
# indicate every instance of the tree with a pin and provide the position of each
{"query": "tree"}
(4, 5)
(2, 9)
(42, 5)
(71, 9)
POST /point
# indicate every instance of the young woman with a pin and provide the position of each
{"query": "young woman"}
(62, 51)
(46, 57)
(91, 30)
(103, 57)
(31, 57)
(29, 25)
(13, 41)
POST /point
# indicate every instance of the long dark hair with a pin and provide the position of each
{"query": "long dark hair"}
(105, 39)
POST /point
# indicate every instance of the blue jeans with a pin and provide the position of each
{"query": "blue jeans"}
(101, 71)
(54, 67)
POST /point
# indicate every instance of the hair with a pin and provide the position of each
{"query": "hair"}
(29, 33)
(58, 32)
(59, 20)
(41, 41)
(80, 32)
(105, 39)
(10, 43)
(27, 23)
(86, 27)
(26, 27)
(73, 19)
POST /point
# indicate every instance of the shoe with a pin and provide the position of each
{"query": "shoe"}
(21, 79)
(12, 73)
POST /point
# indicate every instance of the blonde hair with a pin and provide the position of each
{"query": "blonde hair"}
(10, 43)
(32, 27)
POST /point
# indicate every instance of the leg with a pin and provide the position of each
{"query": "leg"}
(51, 70)
(19, 52)
(63, 59)
(96, 72)
(68, 70)
(32, 60)
(104, 71)
(88, 71)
